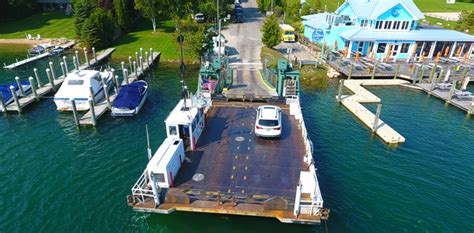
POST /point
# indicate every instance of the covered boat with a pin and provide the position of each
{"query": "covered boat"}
(7, 94)
(76, 86)
(130, 99)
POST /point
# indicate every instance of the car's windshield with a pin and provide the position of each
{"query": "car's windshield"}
(268, 123)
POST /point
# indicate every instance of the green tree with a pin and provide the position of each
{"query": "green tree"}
(150, 9)
(82, 11)
(271, 32)
(291, 8)
(98, 30)
(121, 14)
(311, 7)
(466, 21)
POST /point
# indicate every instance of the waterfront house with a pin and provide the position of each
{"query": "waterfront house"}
(385, 28)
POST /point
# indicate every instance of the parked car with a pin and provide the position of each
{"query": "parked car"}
(268, 123)
(199, 18)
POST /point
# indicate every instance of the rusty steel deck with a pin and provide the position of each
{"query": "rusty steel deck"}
(234, 172)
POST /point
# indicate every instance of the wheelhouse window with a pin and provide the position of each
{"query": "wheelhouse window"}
(405, 47)
(381, 48)
(75, 82)
(160, 177)
(172, 130)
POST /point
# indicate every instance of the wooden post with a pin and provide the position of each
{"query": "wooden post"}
(15, 98)
(440, 76)
(91, 94)
(78, 59)
(141, 64)
(107, 98)
(63, 69)
(141, 52)
(136, 57)
(76, 65)
(74, 112)
(125, 76)
(2, 103)
(422, 73)
(91, 106)
(339, 63)
(135, 68)
(38, 80)
(123, 65)
(433, 70)
(377, 117)
(451, 92)
(65, 65)
(116, 83)
(130, 61)
(20, 87)
(350, 71)
(339, 93)
(95, 55)
(415, 74)
(33, 88)
(397, 71)
(52, 70)
(50, 78)
(85, 56)
(433, 83)
(147, 59)
(151, 55)
(374, 70)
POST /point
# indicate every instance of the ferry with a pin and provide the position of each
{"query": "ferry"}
(212, 161)
(79, 85)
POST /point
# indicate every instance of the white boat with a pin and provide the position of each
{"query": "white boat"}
(76, 86)
(130, 99)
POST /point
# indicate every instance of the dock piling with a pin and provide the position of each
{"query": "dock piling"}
(339, 93)
(2, 103)
(38, 80)
(74, 60)
(116, 83)
(15, 98)
(125, 76)
(422, 73)
(52, 70)
(433, 83)
(397, 71)
(147, 58)
(377, 117)
(135, 68)
(130, 61)
(74, 111)
(33, 88)
(77, 58)
(374, 69)
(351, 67)
(85, 56)
(471, 108)
(451, 92)
(151, 54)
(91, 94)
(141, 52)
(91, 106)
(136, 56)
(123, 65)
(20, 87)
(50, 78)
(107, 98)
(141, 64)
(95, 55)
(415, 74)
(63, 69)
(65, 65)
(433, 70)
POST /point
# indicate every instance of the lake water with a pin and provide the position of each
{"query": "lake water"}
(56, 178)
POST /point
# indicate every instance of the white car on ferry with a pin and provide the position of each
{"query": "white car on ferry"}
(268, 123)
(77, 86)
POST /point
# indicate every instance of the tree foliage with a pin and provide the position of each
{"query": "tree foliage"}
(11, 9)
(271, 32)
(291, 8)
(311, 7)
(98, 30)
(151, 9)
(122, 14)
(466, 21)
(82, 11)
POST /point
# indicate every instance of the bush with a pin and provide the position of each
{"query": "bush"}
(271, 32)
(98, 30)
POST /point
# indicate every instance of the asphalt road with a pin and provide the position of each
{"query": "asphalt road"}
(244, 45)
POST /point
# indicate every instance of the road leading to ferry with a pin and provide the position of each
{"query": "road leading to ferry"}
(245, 43)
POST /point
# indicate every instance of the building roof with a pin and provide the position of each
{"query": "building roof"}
(372, 9)
(420, 34)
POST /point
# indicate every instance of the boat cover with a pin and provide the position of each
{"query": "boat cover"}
(5, 89)
(129, 96)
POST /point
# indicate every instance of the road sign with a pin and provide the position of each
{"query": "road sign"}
(317, 35)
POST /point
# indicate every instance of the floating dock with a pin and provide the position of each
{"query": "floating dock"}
(43, 90)
(447, 95)
(362, 95)
(90, 118)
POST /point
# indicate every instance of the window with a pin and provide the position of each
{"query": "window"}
(378, 25)
(404, 48)
(396, 25)
(75, 82)
(404, 25)
(172, 130)
(159, 177)
(381, 48)
(387, 25)
(364, 23)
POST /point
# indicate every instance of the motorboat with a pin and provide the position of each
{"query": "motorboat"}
(7, 94)
(56, 50)
(130, 99)
(76, 86)
(463, 95)
(38, 49)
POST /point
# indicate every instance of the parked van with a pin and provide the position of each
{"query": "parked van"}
(287, 33)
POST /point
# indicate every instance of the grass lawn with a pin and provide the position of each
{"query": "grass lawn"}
(445, 23)
(48, 25)
(142, 36)
(424, 5)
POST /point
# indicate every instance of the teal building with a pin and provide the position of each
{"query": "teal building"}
(385, 28)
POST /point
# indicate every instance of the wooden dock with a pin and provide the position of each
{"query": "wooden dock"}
(465, 105)
(371, 120)
(26, 61)
(101, 107)
(47, 88)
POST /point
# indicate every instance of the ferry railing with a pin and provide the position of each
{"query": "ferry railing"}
(315, 205)
(140, 191)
